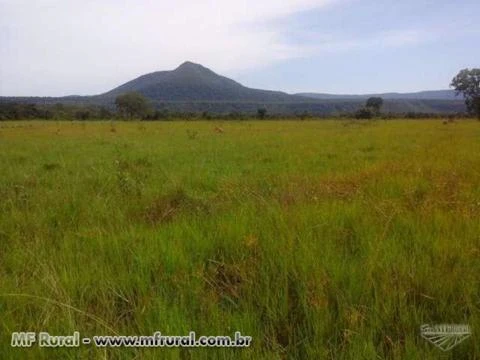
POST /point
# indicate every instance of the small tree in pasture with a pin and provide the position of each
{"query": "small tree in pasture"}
(132, 104)
(467, 82)
(374, 103)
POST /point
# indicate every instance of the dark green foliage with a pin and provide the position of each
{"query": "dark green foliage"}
(206, 115)
(26, 111)
(104, 113)
(82, 114)
(14, 111)
(18, 111)
(157, 115)
(467, 82)
(235, 115)
(374, 103)
(304, 115)
(261, 113)
(132, 104)
(364, 113)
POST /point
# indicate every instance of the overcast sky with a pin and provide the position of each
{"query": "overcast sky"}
(63, 47)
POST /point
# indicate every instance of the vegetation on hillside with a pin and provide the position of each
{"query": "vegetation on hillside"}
(192, 88)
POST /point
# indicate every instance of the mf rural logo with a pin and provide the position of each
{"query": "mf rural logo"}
(445, 336)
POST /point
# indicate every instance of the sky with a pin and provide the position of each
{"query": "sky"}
(86, 47)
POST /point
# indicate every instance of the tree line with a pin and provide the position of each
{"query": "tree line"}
(133, 105)
(26, 111)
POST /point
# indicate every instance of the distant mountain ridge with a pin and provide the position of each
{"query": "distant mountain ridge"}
(194, 88)
(420, 95)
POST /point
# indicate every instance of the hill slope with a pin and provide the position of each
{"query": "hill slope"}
(193, 82)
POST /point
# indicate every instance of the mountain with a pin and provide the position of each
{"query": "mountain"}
(194, 82)
(421, 95)
(194, 88)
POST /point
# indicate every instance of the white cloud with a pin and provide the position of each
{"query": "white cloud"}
(56, 47)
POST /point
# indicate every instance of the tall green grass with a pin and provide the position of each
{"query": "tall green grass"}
(321, 240)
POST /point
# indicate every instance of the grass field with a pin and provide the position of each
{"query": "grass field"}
(320, 239)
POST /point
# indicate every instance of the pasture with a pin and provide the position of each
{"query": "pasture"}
(328, 239)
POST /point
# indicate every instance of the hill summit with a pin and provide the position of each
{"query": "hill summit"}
(194, 82)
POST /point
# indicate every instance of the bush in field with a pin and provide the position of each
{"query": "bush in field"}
(261, 113)
(375, 104)
(364, 113)
(132, 104)
(206, 115)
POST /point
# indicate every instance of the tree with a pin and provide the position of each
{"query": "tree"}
(206, 115)
(104, 113)
(132, 104)
(304, 115)
(364, 113)
(374, 103)
(261, 113)
(82, 114)
(467, 82)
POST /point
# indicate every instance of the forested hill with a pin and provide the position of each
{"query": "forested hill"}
(195, 88)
